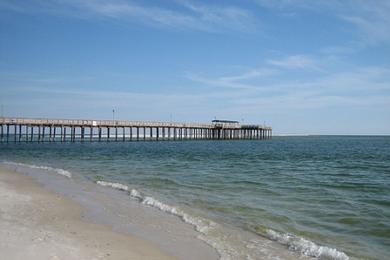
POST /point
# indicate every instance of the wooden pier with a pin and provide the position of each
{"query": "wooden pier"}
(78, 130)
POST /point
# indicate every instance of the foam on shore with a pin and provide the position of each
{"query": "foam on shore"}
(201, 225)
(117, 186)
(306, 247)
(41, 167)
(207, 229)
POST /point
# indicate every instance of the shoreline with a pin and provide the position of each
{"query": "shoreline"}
(299, 201)
(181, 235)
(38, 223)
(178, 233)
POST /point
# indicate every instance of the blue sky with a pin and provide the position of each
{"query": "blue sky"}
(301, 66)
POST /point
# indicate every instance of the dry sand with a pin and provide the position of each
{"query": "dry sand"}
(38, 224)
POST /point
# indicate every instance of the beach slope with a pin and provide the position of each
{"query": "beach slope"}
(38, 224)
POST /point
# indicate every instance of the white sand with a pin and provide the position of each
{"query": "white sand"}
(38, 224)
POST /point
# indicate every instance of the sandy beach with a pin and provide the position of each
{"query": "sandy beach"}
(38, 224)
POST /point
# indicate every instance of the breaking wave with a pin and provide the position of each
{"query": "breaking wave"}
(41, 167)
(201, 225)
(114, 185)
(306, 247)
(205, 228)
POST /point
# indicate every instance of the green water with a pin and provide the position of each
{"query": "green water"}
(332, 190)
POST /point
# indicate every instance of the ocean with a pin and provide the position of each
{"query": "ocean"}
(326, 197)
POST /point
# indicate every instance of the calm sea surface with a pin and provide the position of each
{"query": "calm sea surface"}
(331, 190)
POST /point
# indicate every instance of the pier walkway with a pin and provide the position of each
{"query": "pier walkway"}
(13, 129)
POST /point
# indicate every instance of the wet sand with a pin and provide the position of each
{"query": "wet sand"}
(36, 223)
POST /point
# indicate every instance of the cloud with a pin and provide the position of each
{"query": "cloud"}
(302, 4)
(217, 82)
(253, 73)
(361, 87)
(370, 18)
(294, 62)
(177, 15)
(234, 81)
(373, 30)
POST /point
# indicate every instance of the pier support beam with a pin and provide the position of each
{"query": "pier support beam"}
(26, 133)
(64, 136)
(7, 134)
(82, 134)
(73, 134)
(43, 133)
(15, 133)
(39, 133)
(20, 133)
(32, 133)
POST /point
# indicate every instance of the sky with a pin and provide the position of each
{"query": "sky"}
(300, 66)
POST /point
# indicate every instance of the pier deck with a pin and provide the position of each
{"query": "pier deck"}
(65, 130)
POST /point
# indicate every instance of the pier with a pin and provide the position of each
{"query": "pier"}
(15, 129)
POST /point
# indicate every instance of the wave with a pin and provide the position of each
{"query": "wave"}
(205, 227)
(201, 225)
(305, 247)
(114, 185)
(41, 167)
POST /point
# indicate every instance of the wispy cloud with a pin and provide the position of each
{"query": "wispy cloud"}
(181, 15)
(253, 73)
(364, 86)
(234, 81)
(294, 62)
(370, 18)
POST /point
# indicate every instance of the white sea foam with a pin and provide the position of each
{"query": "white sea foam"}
(134, 193)
(202, 226)
(306, 247)
(114, 185)
(207, 228)
(161, 206)
(46, 168)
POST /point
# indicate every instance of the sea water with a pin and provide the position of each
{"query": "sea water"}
(318, 196)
